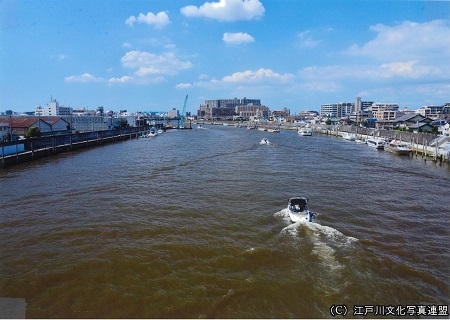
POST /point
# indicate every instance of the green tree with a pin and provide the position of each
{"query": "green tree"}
(33, 132)
(328, 121)
(124, 123)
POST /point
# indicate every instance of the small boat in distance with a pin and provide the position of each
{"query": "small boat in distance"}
(298, 210)
(264, 141)
(152, 132)
(305, 131)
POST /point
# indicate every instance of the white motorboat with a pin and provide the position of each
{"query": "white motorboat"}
(305, 131)
(398, 147)
(264, 141)
(348, 136)
(298, 210)
(152, 132)
(376, 142)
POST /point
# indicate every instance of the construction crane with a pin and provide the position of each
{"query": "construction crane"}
(183, 114)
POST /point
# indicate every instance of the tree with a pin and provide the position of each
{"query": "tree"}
(328, 121)
(124, 123)
(33, 132)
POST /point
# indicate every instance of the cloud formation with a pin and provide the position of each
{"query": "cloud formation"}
(149, 64)
(183, 86)
(85, 77)
(159, 20)
(237, 38)
(226, 10)
(407, 41)
(307, 41)
(260, 75)
(123, 79)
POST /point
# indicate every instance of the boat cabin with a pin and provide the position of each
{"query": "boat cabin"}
(298, 204)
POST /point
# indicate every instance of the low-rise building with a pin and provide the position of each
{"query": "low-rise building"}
(4, 131)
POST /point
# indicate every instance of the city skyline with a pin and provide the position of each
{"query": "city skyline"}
(148, 55)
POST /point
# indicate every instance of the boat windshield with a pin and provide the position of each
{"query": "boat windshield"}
(297, 204)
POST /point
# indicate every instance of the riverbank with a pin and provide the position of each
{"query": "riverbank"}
(16, 152)
(422, 143)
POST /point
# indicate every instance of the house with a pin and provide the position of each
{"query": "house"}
(58, 124)
(21, 125)
(421, 127)
(412, 121)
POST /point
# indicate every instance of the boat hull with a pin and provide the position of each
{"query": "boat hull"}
(376, 143)
(304, 217)
(398, 148)
(305, 132)
(348, 136)
(298, 210)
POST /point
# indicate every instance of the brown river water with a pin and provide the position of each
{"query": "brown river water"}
(193, 224)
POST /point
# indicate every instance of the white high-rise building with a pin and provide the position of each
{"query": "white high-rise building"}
(53, 109)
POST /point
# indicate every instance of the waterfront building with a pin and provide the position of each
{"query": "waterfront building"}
(229, 108)
(86, 123)
(4, 130)
(434, 111)
(408, 121)
(337, 110)
(172, 114)
(58, 124)
(250, 110)
(20, 125)
(53, 109)
(385, 111)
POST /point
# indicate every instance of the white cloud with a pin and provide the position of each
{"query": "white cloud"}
(307, 41)
(123, 79)
(149, 64)
(237, 38)
(85, 77)
(408, 40)
(159, 20)
(183, 86)
(260, 75)
(226, 10)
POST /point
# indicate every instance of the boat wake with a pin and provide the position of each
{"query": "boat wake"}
(324, 241)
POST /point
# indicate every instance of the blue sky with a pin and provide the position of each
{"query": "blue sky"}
(148, 55)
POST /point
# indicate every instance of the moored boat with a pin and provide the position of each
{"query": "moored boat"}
(348, 136)
(305, 131)
(298, 210)
(152, 132)
(376, 142)
(398, 147)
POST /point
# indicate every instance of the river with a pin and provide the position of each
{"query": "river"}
(192, 224)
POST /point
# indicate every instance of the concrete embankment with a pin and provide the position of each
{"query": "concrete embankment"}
(21, 151)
